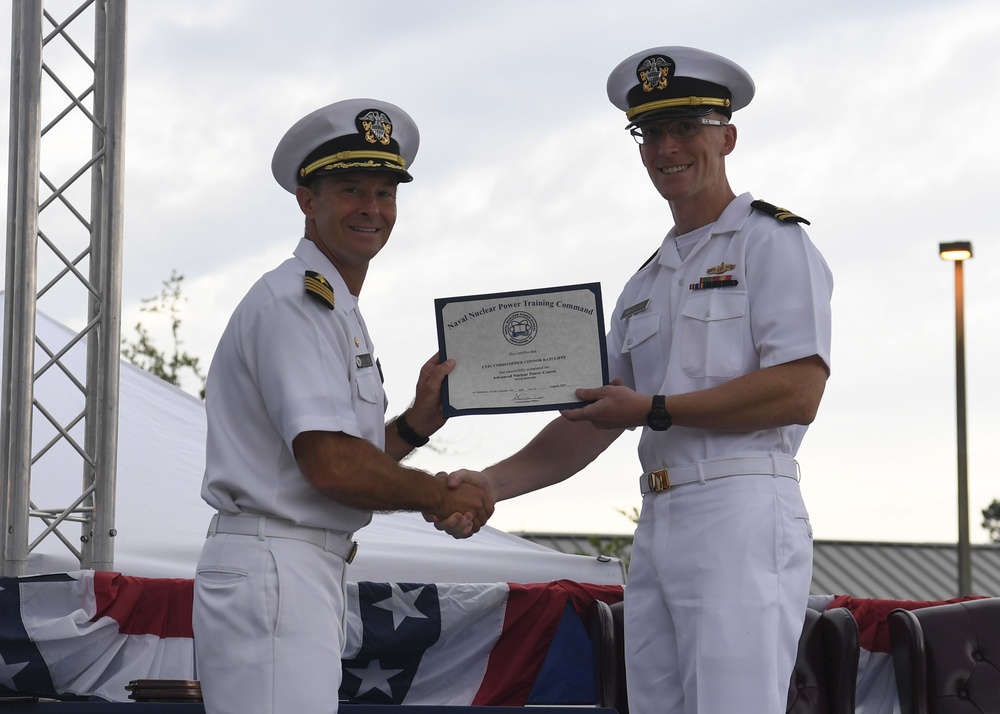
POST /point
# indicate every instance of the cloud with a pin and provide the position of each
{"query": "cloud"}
(872, 120)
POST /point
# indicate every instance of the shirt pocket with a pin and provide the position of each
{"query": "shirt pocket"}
(644, 348)
(712, 330)
(368, 385)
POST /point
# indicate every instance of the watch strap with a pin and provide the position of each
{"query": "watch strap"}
(407, 434)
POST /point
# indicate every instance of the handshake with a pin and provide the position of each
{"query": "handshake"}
(466, 505)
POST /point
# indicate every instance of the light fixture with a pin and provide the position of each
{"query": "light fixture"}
(960, 251)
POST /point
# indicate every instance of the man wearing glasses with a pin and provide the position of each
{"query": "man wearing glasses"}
(720, 350)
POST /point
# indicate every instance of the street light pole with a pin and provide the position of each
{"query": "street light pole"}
(959, 252)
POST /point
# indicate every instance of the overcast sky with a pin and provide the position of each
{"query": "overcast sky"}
(872, 120)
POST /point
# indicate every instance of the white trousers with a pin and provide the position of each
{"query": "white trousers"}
(716, 597)
(268, 626)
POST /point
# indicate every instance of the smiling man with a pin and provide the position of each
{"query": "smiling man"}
(299, 453)
(720, 349)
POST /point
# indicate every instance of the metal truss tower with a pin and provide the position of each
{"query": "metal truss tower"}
(64, 249)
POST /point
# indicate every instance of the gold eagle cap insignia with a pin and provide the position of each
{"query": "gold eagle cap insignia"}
(319, 288)
(721, 268)
(654, 73)
(376, 127)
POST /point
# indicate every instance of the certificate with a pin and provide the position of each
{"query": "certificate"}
(522, 351)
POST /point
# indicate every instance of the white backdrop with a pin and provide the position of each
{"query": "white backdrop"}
(161, 519)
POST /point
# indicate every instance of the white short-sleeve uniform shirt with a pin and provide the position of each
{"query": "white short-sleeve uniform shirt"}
(287, 364)
(753, 292)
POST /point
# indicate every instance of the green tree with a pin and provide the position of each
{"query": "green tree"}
(991, 520)
(143, 351)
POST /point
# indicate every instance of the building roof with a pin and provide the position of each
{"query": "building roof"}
(893, 571)
(901, 571)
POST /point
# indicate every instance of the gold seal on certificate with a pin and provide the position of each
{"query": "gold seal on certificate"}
(528, 350)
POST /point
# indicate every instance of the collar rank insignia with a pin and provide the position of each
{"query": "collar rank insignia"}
(782, 214)
(319, 288)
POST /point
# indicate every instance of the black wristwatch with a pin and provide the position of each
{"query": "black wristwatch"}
(407, 434)
(658, 418)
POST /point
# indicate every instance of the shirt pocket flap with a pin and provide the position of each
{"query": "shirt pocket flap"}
(715, 305)
(640, 328)
(369, 386)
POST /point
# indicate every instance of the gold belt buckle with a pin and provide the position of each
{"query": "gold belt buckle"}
(658, 480)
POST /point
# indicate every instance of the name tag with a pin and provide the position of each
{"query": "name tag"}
(363, 361)
(638, 307)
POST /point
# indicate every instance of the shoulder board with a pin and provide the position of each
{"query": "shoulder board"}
(782, 214)
(319, 288)
(649, 260)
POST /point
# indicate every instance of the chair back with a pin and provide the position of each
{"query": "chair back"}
(824, 680)
(947, 657)
(607, 638)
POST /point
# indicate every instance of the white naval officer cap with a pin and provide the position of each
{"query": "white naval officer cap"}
(350, 135)
(678, 81)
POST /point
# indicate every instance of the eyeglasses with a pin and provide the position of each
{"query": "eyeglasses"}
(683, 128)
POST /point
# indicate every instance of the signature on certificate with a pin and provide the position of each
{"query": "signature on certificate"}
(526, 398)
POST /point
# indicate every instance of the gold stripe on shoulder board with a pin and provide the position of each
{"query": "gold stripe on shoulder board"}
(319, 288)
(782, 214)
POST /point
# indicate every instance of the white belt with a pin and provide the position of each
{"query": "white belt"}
(250, 524)
(772, 465)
